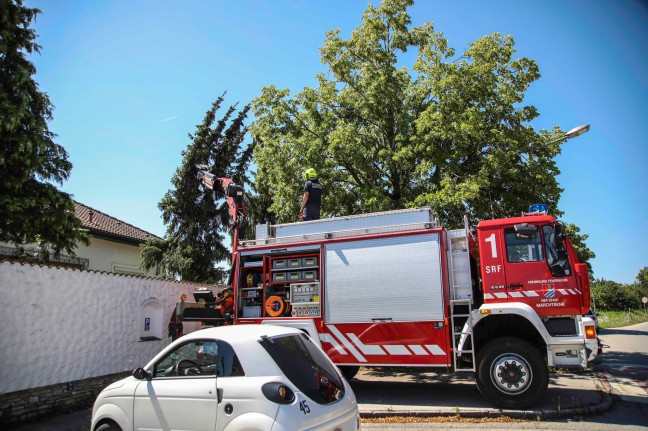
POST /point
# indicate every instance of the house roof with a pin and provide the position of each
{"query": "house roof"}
(101, 224)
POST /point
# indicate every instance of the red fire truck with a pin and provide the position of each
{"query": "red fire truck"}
(397, 289)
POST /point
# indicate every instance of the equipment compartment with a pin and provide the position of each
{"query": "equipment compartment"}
(294, 263)
(251, 284)
(309, 262)
(294, 269)
(279, 264)
(309, 275)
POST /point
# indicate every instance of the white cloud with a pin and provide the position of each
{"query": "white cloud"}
(166, 119)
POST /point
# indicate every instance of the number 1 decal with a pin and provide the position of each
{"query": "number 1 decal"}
(491, 239)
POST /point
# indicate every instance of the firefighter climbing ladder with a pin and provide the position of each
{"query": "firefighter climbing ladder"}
(461, 302)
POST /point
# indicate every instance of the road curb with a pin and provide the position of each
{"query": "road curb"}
(604, 404)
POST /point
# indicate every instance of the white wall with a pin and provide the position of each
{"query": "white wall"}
(61, 324)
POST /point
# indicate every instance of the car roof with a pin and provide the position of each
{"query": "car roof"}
(235, 334)
(244, 340)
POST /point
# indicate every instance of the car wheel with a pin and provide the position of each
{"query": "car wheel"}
(511, 373)
(349, 371)
(108, 426)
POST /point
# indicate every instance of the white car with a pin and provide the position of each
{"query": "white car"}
(241, 377)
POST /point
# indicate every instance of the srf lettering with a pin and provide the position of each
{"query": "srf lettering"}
(492, 269)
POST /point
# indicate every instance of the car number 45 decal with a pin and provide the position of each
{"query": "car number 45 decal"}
(304, 407)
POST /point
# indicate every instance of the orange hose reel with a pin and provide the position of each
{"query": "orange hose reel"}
(275, 306)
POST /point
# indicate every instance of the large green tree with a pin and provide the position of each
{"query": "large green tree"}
(399, 120)
(639, 288)
(196, 217)
(32, 209)
(582, 251)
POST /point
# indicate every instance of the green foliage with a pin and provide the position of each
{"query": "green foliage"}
(32, 209)
(609, 295)
(642, 279)
(639, 288)
(613, 296)
(618, 319)
(196, 217)
(449, 131)
(578, 242)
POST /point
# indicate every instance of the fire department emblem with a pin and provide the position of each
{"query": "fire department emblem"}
(549, 291)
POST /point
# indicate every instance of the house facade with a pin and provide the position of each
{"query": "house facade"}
(114, 245)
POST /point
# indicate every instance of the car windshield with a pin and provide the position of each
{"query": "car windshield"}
(306, 366)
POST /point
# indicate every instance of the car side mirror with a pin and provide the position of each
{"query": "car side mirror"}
(141, 374)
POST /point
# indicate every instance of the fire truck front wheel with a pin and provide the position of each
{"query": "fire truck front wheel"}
(511, 373)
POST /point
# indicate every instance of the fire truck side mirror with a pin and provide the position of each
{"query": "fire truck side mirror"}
(557, 270)
(559, 237)
(525, 231)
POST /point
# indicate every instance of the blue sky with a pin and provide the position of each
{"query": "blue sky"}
(130, 80)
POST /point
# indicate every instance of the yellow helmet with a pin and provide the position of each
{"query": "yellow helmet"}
(310, 173)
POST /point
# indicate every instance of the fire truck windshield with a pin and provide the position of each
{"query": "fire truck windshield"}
(523, 248)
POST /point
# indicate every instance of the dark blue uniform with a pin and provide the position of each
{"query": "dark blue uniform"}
(314, 202)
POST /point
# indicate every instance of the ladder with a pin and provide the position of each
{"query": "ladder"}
(460, 317)
(461, 300)
(459, 262)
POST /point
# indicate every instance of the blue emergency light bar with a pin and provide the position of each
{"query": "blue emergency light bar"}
(539, 208)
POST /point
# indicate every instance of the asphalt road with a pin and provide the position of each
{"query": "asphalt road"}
(625, 362)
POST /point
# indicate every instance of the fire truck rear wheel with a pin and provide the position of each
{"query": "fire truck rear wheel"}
(511, 373)
(349, 371)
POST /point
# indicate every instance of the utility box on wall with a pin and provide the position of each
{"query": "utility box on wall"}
(151, 321)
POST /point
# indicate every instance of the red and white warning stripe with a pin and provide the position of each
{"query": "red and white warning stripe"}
(350, 341)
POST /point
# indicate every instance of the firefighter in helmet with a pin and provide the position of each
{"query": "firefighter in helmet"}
(312, 199)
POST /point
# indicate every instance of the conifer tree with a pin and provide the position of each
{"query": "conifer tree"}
(196, 217)
(32, 209)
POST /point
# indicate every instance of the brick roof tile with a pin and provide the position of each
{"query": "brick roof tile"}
(101, 223)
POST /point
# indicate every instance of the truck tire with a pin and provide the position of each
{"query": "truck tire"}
(511, 373)
(349, 371)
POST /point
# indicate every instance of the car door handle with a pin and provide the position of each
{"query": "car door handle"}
(515, 286)
(219, 393)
